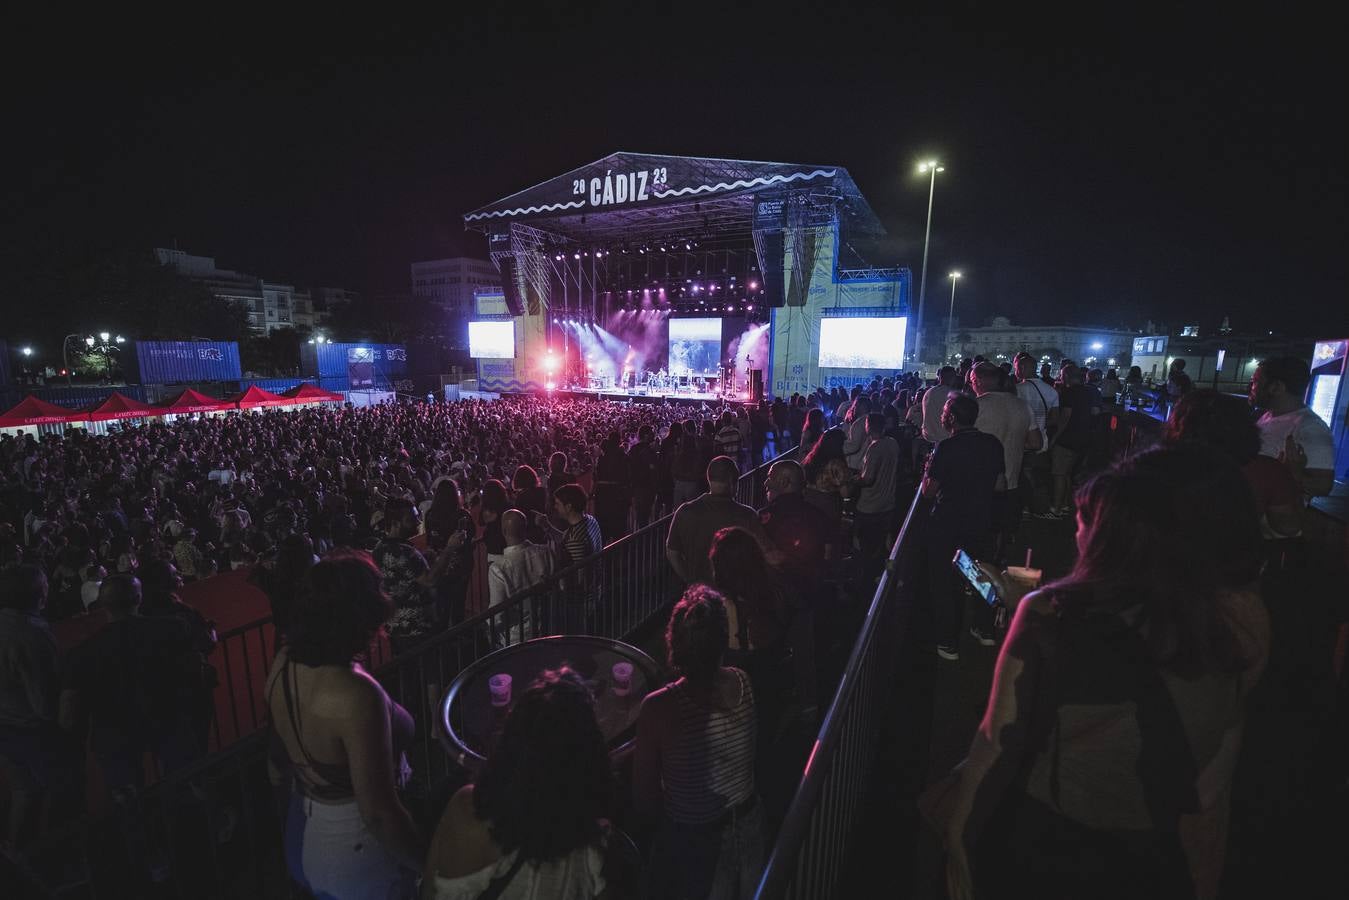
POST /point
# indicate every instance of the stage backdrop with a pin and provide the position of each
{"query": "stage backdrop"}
(814, 292)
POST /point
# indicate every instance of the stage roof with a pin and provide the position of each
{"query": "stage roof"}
(628, 194)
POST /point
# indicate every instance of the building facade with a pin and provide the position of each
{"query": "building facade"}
(270, 305)
(1001, 341)
(1223, 361)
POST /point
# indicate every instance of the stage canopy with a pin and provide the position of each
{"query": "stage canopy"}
(119, 406)
(32, 411)
(190, 401)
(628, 193)
(305, 392)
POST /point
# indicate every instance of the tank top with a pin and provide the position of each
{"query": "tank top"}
(709, 766)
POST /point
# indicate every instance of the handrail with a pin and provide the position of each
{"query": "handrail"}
(782, 865)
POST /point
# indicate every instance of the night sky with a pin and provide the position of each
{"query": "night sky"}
(1097, 171)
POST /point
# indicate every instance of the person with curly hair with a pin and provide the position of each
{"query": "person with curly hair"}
(334, 741)
(533, 823)
(693, 770)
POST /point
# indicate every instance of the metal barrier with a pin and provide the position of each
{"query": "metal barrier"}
(213, 829)
(811, 849)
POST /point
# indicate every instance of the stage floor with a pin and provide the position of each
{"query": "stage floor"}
(643, 396)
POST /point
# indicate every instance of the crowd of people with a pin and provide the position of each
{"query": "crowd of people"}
(357, 520)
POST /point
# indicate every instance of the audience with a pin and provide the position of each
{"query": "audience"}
(697, 522)
(1103, 763)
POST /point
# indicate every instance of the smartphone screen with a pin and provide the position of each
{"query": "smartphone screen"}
(965, 564)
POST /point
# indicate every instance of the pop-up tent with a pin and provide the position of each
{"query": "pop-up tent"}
(190, 401)
(255, 398)
(119, 406)
(32, 411)
(304, 392)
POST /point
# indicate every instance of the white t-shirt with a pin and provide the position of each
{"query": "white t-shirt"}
(1008, 419)
(1306, 428)
(1041, 398)
(934, 400)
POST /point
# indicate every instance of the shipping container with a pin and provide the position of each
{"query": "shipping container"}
(274, 385)
(178, 362)
(337, 383)
(83, 395)
(383, 361)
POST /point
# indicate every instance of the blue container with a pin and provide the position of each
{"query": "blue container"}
(275, 385)
(334, 360)
(82, 396)
(176, 362)
(338, 383)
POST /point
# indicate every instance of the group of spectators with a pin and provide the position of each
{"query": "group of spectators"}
(355, 520)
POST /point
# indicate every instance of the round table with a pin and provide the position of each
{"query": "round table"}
(470, 724)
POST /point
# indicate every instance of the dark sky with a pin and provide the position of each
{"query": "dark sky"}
(1097, 170)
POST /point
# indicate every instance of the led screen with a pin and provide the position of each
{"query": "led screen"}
(864, 343)
(491, 340)
(1324, 389)
(695, 346)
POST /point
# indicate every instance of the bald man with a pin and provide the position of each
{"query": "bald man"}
(523, 565)
(799, 530)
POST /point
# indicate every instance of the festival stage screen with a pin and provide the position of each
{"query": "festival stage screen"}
(695, 346)
(862, 343)
(491, 340)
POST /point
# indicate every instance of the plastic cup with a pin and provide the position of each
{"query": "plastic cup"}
(622, 672)
(1026, 578)
(500, 688)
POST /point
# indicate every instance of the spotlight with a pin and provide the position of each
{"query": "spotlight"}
(754, 285)
(641, 249)
(576, 256)
(688, 246)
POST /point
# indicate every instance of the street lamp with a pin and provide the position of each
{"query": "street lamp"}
(954, 276)
(931, 167)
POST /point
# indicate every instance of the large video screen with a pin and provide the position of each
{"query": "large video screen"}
(1322, 401)
(864, 343)
(491, 340)
(695, 346)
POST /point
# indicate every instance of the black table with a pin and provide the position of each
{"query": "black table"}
(470, 723)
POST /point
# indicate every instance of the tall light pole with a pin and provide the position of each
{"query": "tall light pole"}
(950, 315)
(932, 167)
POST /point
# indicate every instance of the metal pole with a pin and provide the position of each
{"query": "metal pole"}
(922, 281)
(950, 315)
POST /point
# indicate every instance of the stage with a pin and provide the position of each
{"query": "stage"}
(643, 395)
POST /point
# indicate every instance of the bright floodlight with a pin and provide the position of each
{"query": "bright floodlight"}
(27, 351)
(1097, 345)
(954, 275)
(103, 336)
(120, 339)
(924, 168)
(89, 341)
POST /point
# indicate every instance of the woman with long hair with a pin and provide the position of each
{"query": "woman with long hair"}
(693, 768)
(828, 447)
(530, 498)
(446, 517)
(334, 740)
(532, 824)
(810, 432)
(1105, 757)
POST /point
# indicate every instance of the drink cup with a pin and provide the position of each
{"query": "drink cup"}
(622, 672)
(1024, 578)
(500, 687)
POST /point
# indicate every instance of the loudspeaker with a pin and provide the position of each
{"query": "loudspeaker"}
(514, 302)
(756, 385)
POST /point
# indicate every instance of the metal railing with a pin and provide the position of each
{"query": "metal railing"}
(812, 846)
(213, 828)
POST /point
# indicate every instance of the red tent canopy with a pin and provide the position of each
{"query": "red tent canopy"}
(256, 396)
(120, 406)
(312, 393)
(32, 411)
(190, 401)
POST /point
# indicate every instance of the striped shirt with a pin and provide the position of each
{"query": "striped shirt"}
(582, 540)
(709, 765)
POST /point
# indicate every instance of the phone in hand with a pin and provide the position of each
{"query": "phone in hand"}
(966, 565)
